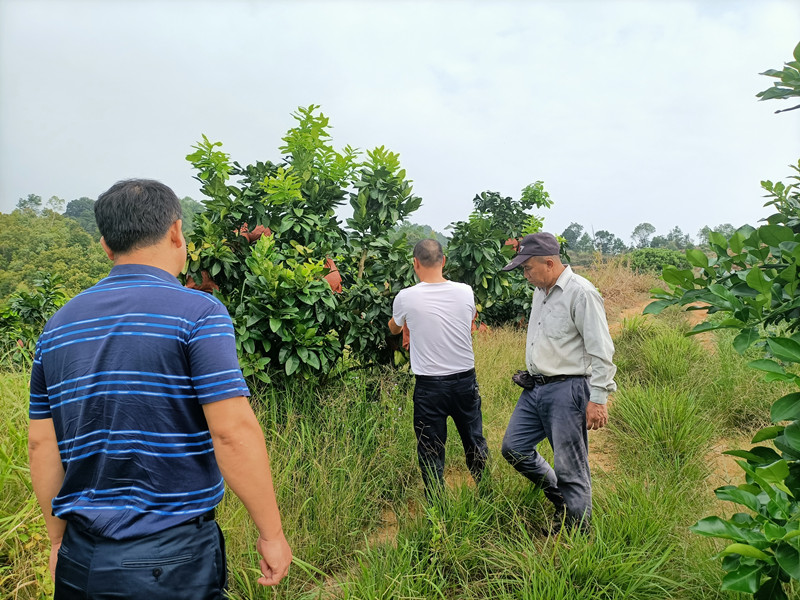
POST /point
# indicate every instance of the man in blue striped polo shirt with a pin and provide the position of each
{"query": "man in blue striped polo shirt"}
(138, 410)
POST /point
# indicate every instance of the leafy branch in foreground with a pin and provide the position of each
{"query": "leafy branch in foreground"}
(751, 282)
(788, 84)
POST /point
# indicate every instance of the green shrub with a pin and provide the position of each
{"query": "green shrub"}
(653, 259)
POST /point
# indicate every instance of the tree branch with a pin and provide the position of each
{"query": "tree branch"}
(787, 109)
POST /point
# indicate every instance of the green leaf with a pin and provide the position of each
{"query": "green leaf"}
(792, 435)
(771, 589)
(786, 449)
(770, 377)
(716, 527)
(774, 473)
(656, 307)
(766, 454)
(718, 239)
(773, 235)
(744, 340)
(748, 456)
(774, 532)
(291, 364)
(697, 258)
(786, 408)
(767, 433)
(275, 324)
(756, 280)
(706, 326)
(784, 349)
(313, 360)
(734, 494)
(736, 242)
(744, 579)
(720, 291)
(789, 559)
(746, 550)
(678, 277)
(767, 365)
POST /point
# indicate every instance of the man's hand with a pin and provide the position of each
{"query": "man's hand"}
(276, 556)
(241, 452)
(596, 416)
(54, 548)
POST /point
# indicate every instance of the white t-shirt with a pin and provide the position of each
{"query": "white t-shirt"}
(439, 318)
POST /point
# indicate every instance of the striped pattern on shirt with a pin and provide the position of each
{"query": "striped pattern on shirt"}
(123, 370)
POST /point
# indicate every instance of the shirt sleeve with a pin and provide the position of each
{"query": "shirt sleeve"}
(213, 362)
(472, 299)
(590, 320)
(399, 309)
(39, 407)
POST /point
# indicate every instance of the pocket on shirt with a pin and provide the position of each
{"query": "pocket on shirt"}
(557, 326)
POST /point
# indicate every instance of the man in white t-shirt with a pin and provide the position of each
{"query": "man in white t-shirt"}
(439, 315)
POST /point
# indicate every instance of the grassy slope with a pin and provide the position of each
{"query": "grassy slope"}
(351, 497)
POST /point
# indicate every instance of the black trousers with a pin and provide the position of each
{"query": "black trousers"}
(435, 399)
(186, 562)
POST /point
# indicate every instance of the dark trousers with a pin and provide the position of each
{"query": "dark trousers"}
(435, 399)
(556, 411)
(186, 562)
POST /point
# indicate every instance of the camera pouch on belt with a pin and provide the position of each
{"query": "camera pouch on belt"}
(524, 380)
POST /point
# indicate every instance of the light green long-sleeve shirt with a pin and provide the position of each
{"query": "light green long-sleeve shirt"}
(568, 334)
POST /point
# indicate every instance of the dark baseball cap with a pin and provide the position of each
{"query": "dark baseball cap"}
(535, 244)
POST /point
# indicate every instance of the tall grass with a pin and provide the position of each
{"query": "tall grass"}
(658, 426)
(24, 545)
(347, 480)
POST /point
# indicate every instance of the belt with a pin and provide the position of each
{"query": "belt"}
(206, 516)
(544, 379)
(451, 377)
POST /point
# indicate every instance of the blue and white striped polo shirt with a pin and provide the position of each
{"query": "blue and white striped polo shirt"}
(123, 369)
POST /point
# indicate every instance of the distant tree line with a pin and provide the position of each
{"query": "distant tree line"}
(642, 236)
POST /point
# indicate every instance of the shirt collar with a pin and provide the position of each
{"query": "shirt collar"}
(144, 269)
(563, 279)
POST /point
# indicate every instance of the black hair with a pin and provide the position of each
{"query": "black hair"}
(429, 253)
(136, 213)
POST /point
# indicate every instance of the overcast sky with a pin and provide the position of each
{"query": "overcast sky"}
(628, 111)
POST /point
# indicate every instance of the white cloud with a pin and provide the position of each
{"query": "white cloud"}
(629, 111)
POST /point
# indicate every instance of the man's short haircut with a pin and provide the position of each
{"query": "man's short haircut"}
(136, 213)
(555, 258)
(429, 253)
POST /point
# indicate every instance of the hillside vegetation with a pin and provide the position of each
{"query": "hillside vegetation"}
(349, 489)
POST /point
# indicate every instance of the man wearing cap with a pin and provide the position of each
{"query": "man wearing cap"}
(439, 315)
(568, 355)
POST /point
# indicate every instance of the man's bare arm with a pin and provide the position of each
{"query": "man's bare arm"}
(47, 476)
(394, 327)
(243, 460)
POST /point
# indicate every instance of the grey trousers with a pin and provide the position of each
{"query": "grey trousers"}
(556, 411)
